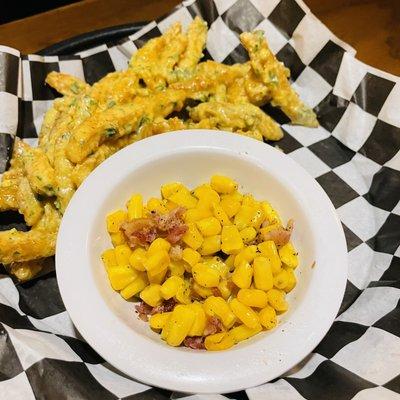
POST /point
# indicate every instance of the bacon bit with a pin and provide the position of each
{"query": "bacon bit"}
(194, 342)
(213, 325)
(280, 236)
(175, 252)
(166, 306)
(143, 231)
(216, 292)
(143, 310)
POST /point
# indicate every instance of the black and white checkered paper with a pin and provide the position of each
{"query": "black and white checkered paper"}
(354, 155)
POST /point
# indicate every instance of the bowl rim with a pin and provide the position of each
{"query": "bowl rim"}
(71, 250)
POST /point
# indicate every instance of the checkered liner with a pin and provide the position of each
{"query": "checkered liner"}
(354, 155)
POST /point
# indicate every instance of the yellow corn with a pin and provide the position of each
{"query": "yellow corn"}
(170, 205)
(193, 238)
(248, 234)
(271, 215)
(230, 204)
(192, 257)
(183, 198)
(170, 287)
(183, 295)
(206, 195)
(156, 277)
(196, 214)
(135, 287)
(122, 254)
(210, 245)
(135, 206)
(291, 280)
(269, 228)
(205, 276)
(242, 275)
(247, 254)
(201, 290)
(177, 267)
(257, 218)
(209, 226)
(245, 314)
(109, 259)
(217, 264)
(249, 200)
(267, 317)
(169, 189)
(115, 219)
(152, 295)
(157, 262)
(231, 242)
(268, 250)
(243, 217)
(220, 214)
(230, 262)
(157, 321)
(121, 276)
(200, 320)
(138, 258)
(225, 289)
(222, 184)
(218, 342)
(117, 238)
(253, 297)
(182, 319)
(243, 332)
(288, 255)
(217, 306)
(158, 245)
(156, 205)
(276, 299)
(263, 278)
(281, 280)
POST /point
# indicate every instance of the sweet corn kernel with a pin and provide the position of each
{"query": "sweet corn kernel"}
(158, 245)
(209, 226)
(222, 184)
(230, 204)
(263, 278)
(247, 254)
(170, 205)
(135, 206)
(152, 295)
(182, 319)
(157, 262)
(245, 314)
(210, 245)
(276, 299)
(201, 290)
(206, 195)
(205, 276)
(242, 275)
(171, 286)
(115, 219)
(156, 205)
(269, 228)
(200, 320)
(157, 321)
(196, 214)
(156, 277)
(248, 234)
(281, 280)
(220, 214)
(267, 317)
(183, 198)
(243, 217)
(249, 200)
(192, 257)
(288, 255)
(217, 306)
(271, 215)
(183, 295)
(122, 254)
(218, 342)
(193, 238)
(109, 259)
(231, 242)
(217, 264)
(169, 189)
(138, 258)
(167, 327)
(243, 332)
(257, 218)
(177, 267)
(135, 287)
(225, 289)
(291, 280)
(121, 276)
(117, 238)
(253, 297)
(230, 262)
(268, 250)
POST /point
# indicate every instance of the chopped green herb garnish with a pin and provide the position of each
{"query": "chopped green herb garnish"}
(75, 88)
(111, 104)
(110, 132)
(144, 120)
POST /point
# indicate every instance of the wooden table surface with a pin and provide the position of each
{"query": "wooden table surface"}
(372, 27)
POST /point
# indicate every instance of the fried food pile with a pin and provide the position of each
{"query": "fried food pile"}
(165, 88)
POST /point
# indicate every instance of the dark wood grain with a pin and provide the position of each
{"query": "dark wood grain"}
(372, 27)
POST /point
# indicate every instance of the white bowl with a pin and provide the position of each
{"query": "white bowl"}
(109, 323)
